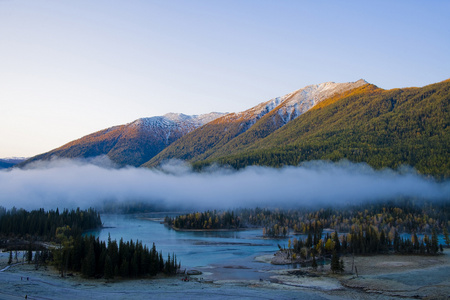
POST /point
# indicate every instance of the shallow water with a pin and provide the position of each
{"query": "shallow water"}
(227, 255)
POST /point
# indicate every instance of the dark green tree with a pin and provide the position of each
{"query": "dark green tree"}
(109, 270)
(337, 244)
(29, 253)
(434, 242)
(124, 269)
(89, 265)
(335, 265)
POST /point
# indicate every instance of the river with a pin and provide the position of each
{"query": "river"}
(223, 254)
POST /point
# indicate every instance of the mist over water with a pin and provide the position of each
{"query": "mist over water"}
(66, 183)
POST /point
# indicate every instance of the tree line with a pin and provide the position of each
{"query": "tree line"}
(401, 215)
(364, 229)
(206, 220)
(43, 224)
(365, 241)
(71, 251)
(94, 258)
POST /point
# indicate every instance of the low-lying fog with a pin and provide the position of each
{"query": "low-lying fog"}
(68, 183)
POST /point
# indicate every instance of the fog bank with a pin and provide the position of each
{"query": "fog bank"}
(67, 183)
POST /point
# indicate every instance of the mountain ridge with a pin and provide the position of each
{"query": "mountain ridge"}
(330, 121)
(384, 128)
(227, 128)
(9, 162)
(133, 143)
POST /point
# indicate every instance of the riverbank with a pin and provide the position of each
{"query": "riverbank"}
(379, 277)
(387, 276)
(423, 277)
(23, 280)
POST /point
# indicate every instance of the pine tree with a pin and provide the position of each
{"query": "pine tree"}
(434, 242)
(124, 269)
(309, 240)
(10, 258)
(337, 244)
(341, 266)
(161, 262)
(383, 241)
(335, 265)
(167, 268)
(89, 265)
(29, 253)
(109, 271)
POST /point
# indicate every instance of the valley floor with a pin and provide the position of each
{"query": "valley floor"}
(379, 277)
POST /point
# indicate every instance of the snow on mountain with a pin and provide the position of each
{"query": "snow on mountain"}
(302, 100)
(172, 126)
(229, 132)
(141, 140)
(176, 121)
(133, 143)
(291, 105)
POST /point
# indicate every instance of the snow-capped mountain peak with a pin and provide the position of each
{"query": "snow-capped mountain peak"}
(304, 99)
(176, 120)
(292, 105)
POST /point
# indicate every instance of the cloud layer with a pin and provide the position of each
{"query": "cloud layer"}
(80, 183)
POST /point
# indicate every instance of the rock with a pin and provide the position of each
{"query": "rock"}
(194, 272)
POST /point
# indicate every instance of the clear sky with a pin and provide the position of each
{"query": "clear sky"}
(69, 68)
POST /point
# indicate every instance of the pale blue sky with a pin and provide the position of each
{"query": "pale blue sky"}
(69, 68)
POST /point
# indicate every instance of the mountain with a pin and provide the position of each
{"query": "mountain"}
(6, 163)
(133, 143)
(233, 131)
(384, 128)
(330, 121)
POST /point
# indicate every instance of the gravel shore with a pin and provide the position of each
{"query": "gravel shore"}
(379, 277)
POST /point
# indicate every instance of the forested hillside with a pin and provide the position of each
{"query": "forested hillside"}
(356, 121)
(385, 128)
(222, 136)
